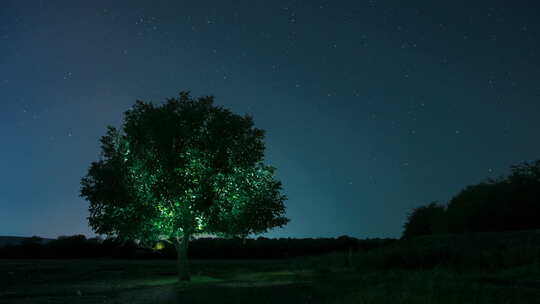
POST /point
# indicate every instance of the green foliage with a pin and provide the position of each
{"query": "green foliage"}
(182, 168)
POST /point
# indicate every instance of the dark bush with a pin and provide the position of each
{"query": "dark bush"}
(425, 220)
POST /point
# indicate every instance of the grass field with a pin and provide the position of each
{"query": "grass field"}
(310, 280)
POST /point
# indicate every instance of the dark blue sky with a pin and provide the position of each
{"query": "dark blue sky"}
(371, 107)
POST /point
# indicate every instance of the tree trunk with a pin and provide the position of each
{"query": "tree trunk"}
(183, 263)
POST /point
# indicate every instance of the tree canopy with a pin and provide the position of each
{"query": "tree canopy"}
(179, 169)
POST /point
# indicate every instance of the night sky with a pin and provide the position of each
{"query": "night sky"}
(370, 108)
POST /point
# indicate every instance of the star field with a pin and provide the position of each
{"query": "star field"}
(371, 108)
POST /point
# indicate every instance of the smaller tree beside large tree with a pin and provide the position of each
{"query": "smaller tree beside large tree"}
(424, 220)
(179, 169)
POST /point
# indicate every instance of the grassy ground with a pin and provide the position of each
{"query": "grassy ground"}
(319, 280)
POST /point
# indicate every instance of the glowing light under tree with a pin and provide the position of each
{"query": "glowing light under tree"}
(179, 169)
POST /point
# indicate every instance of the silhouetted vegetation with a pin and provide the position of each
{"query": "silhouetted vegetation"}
(78, 246)
(424, 220)
(502, 204)
(476, 251)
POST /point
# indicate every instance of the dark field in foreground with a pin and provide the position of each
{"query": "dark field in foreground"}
(310, 280)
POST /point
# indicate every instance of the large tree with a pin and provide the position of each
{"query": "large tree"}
(180, 169)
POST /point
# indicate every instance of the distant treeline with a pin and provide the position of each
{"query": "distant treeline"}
(78, 246)
(504, 204)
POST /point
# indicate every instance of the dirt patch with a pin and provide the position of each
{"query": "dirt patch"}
(161, 294)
